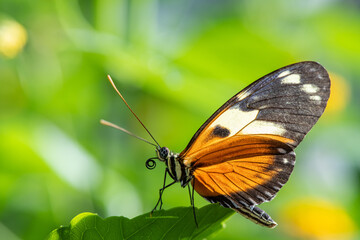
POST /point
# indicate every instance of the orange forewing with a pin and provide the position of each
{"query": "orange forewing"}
(236, 147)
(202, 137)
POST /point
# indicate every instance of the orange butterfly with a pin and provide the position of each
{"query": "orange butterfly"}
(244, 153)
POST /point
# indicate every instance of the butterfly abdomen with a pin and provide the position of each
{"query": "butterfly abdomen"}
(251, 212)
(257, 215)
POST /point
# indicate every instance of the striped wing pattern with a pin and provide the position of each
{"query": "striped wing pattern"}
(243, 154)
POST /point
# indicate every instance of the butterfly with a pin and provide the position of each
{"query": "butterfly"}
(244, 153)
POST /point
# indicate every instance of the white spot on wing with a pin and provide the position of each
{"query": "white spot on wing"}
(255, 98)
(264, 127)
(310, 88)
(268, 193)
(234, 119)
(232, 202)
(315, 98)
(281, 150)
(283, 74)
(285, 160)
(226, 204)
(276, 188)
(291, 79)
(261, 198)
(244, 95)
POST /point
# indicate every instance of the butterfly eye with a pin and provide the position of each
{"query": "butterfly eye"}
(163, 153)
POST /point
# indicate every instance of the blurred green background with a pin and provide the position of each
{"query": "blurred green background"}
(175, 62)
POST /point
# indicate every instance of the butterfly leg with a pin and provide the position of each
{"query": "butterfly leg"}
(161, 190)
(192, 202)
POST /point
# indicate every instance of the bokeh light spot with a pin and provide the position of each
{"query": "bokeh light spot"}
(13, 38)
(315, 218)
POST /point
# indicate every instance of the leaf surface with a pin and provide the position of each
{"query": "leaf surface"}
(176, 223)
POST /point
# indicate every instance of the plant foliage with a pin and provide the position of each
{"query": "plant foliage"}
(176, 223)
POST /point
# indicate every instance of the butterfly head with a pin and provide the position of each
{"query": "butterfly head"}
(163, 153)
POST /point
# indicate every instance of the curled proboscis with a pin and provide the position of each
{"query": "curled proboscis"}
(150, 164)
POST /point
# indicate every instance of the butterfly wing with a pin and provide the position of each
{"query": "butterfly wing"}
(243, 154)
(286, 102)
(244, 172)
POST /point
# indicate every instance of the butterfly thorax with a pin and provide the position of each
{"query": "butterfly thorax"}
(175, 166)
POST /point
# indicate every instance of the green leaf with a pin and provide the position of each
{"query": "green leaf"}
(176, 223)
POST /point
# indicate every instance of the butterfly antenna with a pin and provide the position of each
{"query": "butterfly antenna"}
(106, 123)
(113, 84)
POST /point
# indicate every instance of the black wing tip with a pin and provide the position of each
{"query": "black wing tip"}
(314, 69)
(313, 64)
(307, 62)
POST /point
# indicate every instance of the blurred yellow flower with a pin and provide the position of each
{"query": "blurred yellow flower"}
(339, 95)
(13, 37)
(313, 218)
